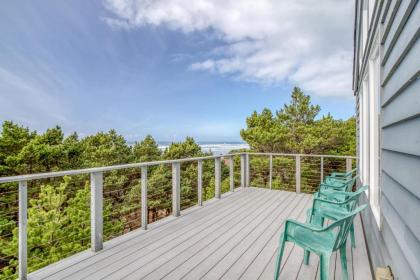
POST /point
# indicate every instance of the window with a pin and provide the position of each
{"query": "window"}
(361, 137)
(374, 131)
(369, 114)
(370, 8)
(365, 25)
(366, 129)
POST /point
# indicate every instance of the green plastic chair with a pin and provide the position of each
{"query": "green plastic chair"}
(340, 176)
(331, 190)
(346, 175)
(345, 186)
(333, 208)
(322, 241)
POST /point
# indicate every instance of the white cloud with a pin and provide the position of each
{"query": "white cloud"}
(304, 42)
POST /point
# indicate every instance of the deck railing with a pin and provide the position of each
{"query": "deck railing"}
(295, 172)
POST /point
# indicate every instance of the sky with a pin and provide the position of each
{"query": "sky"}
(170, 68)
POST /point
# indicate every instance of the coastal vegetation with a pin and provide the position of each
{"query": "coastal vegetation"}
(58, 211)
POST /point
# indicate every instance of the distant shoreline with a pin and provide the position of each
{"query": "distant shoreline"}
(216, 148)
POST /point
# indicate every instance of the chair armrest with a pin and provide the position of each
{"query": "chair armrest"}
(334, 179)
(328, 185)
(343, 174)
(335, 195)
(330, 192)
(333, 187)
(292, 225)
(338, 174)
(321, 200)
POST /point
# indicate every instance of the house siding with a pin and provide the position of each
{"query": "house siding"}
(396, 241)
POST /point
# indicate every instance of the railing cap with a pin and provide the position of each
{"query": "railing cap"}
(37, 176)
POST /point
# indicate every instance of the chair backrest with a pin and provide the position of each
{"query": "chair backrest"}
(353, 198)
(349, 183)
(352, 171)
(342, 227)
(347, 175)
(349, 202)
(352, 182)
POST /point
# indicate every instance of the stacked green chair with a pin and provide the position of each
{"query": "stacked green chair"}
(331, 190)
(338, 185)
(322, 241)
(333, 209)
(340, 176)
(336, 202)
(343, 175)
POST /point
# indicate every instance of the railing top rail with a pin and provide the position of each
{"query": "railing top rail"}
(37, 176)
(301, 155)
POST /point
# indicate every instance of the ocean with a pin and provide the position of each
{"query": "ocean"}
(216, 148)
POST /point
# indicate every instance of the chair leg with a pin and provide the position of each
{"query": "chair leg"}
(306, 257)
(353, 241)
(345, 275)
(324, 266)
(279, 256)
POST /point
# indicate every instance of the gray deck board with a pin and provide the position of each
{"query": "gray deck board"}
(361, 265)
(209, 240)
(242, 264)
(294, 261)
(160, 234)
(235, 237)
(230, 258)
(212, 254)
(272, 247)
(161, 251)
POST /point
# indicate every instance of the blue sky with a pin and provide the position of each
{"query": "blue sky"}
(169, 68)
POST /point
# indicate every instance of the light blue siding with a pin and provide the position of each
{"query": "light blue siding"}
(406, 106)
(403, 137)
(396, 242)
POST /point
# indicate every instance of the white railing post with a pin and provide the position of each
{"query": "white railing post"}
(297, 173)
(144, 205)
(243, 170)
(96, 206)
(270, 181)
(322, 169)
(176, 188)
(348, 164)
(217, 177)
(247, 170)
(231, 174)
(23, 230)
(200, 182)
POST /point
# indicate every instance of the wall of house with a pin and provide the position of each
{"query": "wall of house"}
(392, 223)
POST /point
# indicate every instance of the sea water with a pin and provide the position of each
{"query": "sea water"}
(216, 148)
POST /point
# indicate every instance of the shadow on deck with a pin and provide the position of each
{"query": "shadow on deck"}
(232, 238)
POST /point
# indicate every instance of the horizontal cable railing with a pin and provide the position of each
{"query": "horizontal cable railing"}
(122, 198)
(294, 172)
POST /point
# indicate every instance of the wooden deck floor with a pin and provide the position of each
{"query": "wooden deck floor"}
(231, 238)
